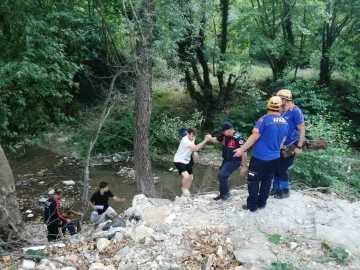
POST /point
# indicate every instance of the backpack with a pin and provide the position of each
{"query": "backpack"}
(183, 132)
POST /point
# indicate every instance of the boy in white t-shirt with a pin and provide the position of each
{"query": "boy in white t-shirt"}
(182, 158)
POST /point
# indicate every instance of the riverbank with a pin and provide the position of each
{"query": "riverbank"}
(311, 231)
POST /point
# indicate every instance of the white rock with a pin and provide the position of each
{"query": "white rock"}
(30, 215)
(176, 231)
(69, 183)
(171, 169)
(170, 218)
(159, 236)
(102, 244)
(220, 252)
(202, 201)
(28, 264)
(52, 266)
(97, 266)
(141, 232)
(68, 268)
(107, 160)
(40, 267)
(122, 252)
(59, 258)
(28, 211)
(119, 236)
(117, 258)
(45, 261)
(293, 245)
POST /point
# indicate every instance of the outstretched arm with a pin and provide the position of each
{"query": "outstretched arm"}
(119, 199)
(200, 145)
(249, 142)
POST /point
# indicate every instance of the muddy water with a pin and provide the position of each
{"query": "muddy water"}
(36, 171)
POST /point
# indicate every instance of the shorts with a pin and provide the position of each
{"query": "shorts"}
(101, 218)
(184, 167)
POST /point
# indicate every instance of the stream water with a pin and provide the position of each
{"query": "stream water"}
(36, 171)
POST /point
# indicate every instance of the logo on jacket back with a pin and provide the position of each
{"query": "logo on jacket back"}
(279, 120)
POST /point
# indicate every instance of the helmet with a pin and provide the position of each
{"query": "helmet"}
(274, 103)
(284, 93)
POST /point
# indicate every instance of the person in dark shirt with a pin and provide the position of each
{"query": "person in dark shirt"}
(100, 201)
(230, 140)
(56, 222)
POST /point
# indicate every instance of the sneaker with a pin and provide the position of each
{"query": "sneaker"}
(272, 192)
(217, 198)
(245, 207)
(223, 197)
(282, 194)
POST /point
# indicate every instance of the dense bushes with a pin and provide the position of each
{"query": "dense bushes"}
(169, 114)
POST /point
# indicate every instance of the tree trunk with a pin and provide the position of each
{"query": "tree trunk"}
(325, 69)
(143, 101)
(108, 105)
(11, 224)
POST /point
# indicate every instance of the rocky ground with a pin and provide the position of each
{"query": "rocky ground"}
(312, 231)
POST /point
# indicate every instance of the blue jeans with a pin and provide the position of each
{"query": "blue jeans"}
(261, 173)
(281, 178)
(226, 168)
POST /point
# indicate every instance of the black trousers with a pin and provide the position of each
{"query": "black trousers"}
(53, 229)
(261, 173)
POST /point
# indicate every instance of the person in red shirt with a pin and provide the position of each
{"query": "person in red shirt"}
(56, 222)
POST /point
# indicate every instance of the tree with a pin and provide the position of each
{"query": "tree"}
(143, 96)
(11, 224)
(273, 37)
(44, 45)
(339, 16)
(192, 53)
(111, 97)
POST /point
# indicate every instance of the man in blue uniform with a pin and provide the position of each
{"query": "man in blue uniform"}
(230, 140)
(267, 136)
(295, 136)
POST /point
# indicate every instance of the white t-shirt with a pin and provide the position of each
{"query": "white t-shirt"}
(183, 154)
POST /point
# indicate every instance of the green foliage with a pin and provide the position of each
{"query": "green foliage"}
(282, 266)
(338, 253)
(275, 238)
(117, 133)
(38, 254)
(326, 245)
(248, 106)
(42, 52)
(341, 255)
(335, 167)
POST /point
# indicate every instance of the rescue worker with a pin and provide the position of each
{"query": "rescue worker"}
(230, 140)
(268, 135)
(295, 136)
